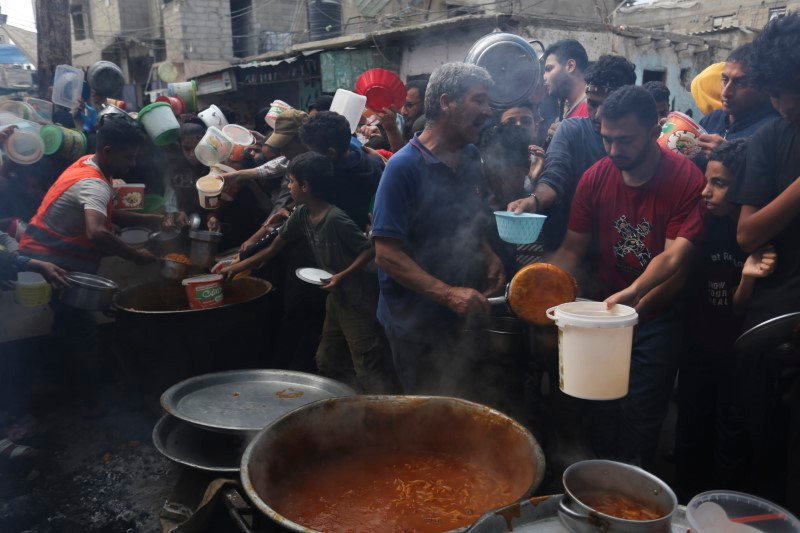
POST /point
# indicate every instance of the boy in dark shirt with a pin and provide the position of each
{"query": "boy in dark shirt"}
(709, 444)
(351, 330)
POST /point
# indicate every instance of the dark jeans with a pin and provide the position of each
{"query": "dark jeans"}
(711, 446)
(628, 429)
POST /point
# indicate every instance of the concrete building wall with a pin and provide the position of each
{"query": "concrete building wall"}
(198, 30)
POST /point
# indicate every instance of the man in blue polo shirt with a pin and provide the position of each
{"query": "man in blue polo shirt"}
(430, 226)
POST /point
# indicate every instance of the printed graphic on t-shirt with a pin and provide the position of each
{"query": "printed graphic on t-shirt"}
(720, 290)
(631, 240)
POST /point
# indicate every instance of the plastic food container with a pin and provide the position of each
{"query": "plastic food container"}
(20, 109)
(209, 190)
(241, 137)
(186, 91)
(69, 144)
(721, 511)
(680, 134)
(213, 117)
(275, 108)
(382, 88)
(32, 290)
(105, 78)
(350, 105)
(129, 196)
(160, 123)
(215, 147)
(594, 348)
(523, 228)
(24, 147)
(67, 86)
(204, 292)
(42, 108)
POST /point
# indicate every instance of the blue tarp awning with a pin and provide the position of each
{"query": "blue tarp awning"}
(11, 55)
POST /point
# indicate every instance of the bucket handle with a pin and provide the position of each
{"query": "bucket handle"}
(551, 313)
(594, 521)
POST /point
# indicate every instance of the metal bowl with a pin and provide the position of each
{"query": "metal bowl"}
(88, 292)
(513, 65)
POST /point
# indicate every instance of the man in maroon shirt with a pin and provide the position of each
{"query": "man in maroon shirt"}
(636, 205)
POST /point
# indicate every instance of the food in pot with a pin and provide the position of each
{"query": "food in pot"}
(390, 492)
(619, 506)
(178, 258)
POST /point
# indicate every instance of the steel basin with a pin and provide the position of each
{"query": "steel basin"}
(436, 424)
(88, 292)
(593, 476)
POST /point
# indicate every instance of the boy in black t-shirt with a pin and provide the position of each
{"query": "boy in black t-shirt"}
(352, 347)
(710, 445)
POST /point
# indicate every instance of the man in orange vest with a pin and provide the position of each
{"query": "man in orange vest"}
(72, 229)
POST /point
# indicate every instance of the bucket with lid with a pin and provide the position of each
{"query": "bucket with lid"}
(69, 144)
(213, 116)
(594, 348)
(160, 123)
(350, 105)
(186, 91)
(67, 86)
(209, 190)
(215, 147)
(241, 137)
(32, 290)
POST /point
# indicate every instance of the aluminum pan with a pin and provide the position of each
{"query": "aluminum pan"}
(197, 448)
(246, 400)
(540, 515)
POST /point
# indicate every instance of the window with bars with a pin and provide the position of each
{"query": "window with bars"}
(776, 13)
(80, 26)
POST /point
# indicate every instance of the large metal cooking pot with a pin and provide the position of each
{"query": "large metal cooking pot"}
(506, 335)
(513, 64)
(600, 476)
(88, 292)
(436, 424)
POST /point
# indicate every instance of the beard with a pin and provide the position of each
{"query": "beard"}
(625, 163)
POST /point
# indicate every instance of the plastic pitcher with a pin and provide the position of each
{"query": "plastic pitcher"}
(215, 147)
(350, 105)
(67, 86)
(594, 348)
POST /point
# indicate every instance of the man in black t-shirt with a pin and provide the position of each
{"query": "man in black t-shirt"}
(770, 198)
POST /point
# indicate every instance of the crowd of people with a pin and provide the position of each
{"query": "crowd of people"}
(400, 215)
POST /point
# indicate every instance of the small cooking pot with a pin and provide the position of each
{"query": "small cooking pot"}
(204, 247)
(175, 270)
(593, 477)
(88, 292)
(165, 240)
(506, 335)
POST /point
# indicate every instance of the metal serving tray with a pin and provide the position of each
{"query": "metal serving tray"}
(198, 448)
(540, 515)
(246, 400)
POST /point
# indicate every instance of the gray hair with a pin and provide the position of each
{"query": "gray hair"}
(455, 80)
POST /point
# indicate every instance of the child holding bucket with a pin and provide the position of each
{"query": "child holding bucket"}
(351, 330)
(710, 444)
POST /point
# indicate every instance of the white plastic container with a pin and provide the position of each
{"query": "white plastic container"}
(214, 148)
(241, 137)
(594, 348)
(350, 105)
(213, 117)
(209, 190)
(160, 123)
(275, 108)
(67, 86)
(21, 109)
(25, 146)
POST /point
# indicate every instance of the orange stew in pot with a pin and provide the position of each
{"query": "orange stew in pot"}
(390, 492)
(620, 506)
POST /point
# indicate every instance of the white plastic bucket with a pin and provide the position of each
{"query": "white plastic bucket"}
(213, 116)
(214, 148)
(160, 123)
(594, 348)
(67, 86)
(350, 105)
(209, 190)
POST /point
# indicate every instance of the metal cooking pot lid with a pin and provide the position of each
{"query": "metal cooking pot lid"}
(90, 281)
(770, 334)
(513, 65)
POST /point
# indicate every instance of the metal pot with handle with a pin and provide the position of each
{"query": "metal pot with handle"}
(536, 288)
(88, 292)
(513, 65)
